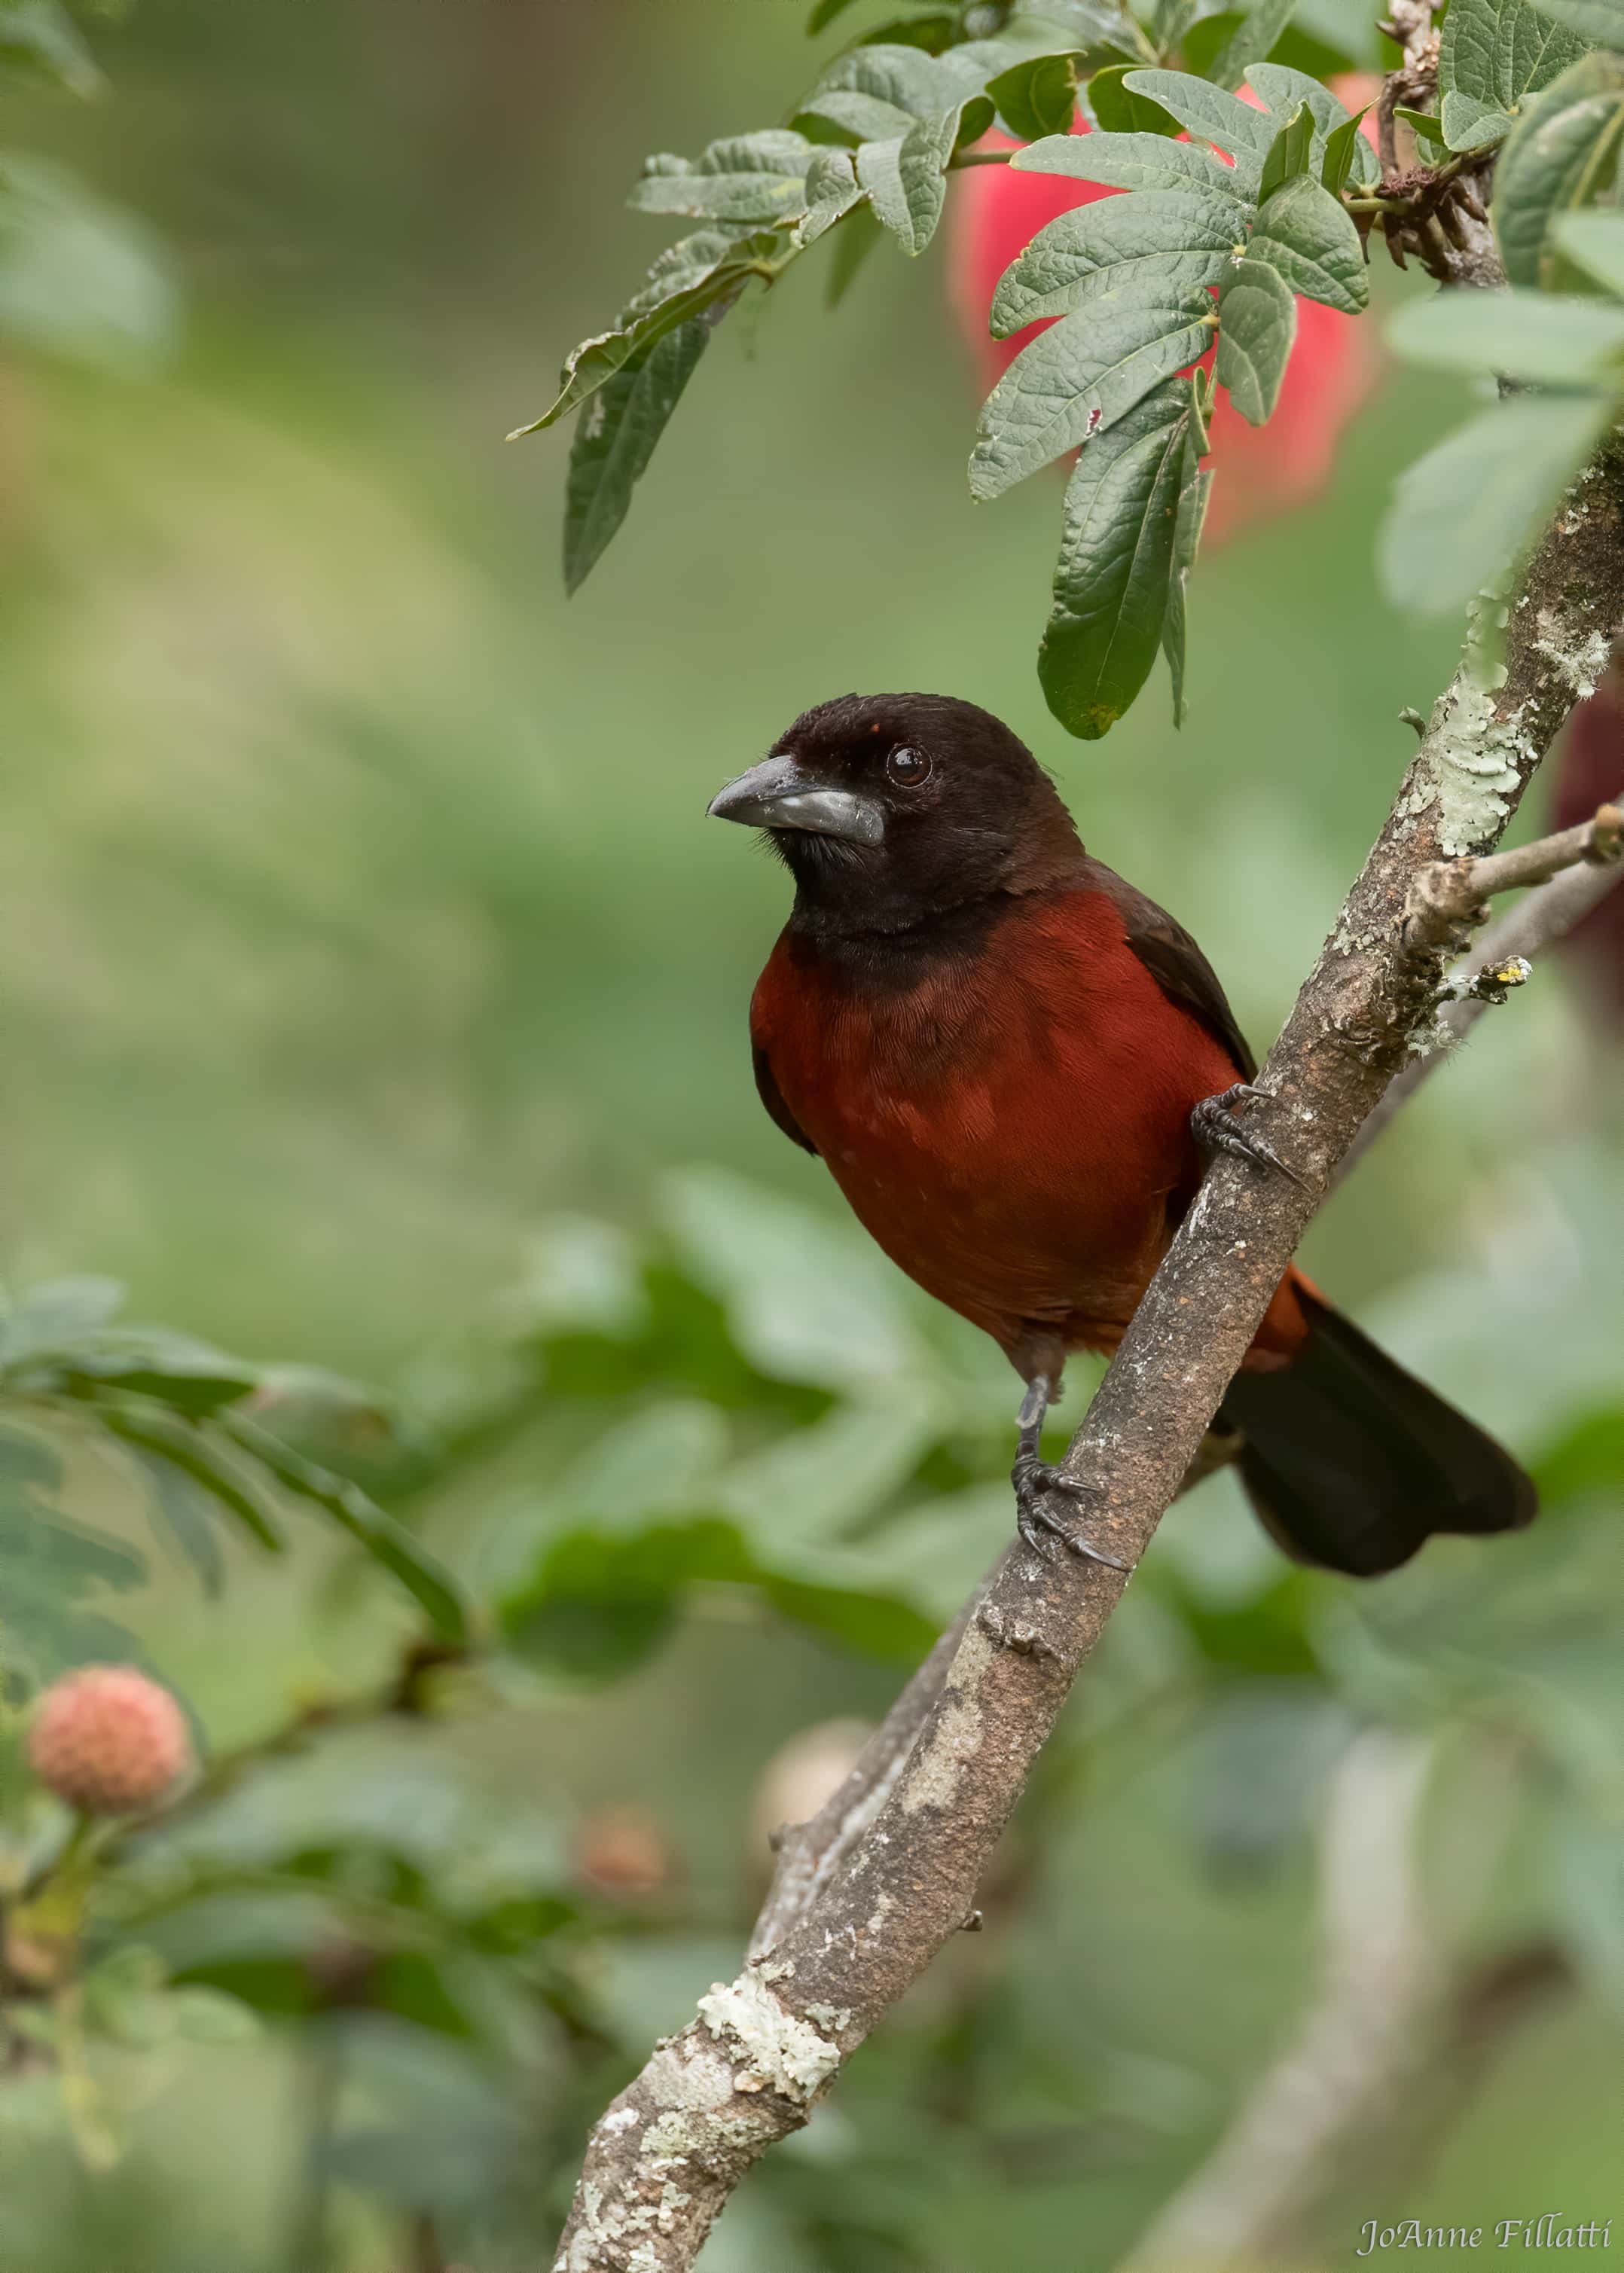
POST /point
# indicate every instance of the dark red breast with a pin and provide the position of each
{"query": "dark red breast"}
(1010, 1125)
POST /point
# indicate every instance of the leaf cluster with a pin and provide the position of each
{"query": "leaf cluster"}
(206, 1439)
(1224, 231)
(80, 276)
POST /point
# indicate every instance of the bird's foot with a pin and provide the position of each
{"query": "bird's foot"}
(1039, 1525)
(1215, 1130)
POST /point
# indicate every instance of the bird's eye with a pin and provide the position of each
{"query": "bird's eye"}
(907, 767)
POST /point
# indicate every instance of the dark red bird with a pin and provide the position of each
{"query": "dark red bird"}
(1005, 1053)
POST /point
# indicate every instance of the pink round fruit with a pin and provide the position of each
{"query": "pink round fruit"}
(108, 1740)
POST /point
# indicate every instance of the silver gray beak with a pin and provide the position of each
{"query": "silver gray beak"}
(776, 794)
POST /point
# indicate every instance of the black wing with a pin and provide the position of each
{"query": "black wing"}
(1176, 965)
(772, 1096)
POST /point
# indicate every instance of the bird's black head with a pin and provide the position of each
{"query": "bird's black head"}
(889, 810)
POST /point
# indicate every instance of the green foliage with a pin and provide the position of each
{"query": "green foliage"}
(1467, 511)
(1114, 580)
(1591, 19)
(80, 277)
(54, 1573)
(1128, 281)
(1129, 286)
(179, 1416)
(1233, 41)
(1257, 310)
(616, 439)
(1495, 54)
(1563, 156)
(40, 42)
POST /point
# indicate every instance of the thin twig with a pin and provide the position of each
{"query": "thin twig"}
(1522, 935)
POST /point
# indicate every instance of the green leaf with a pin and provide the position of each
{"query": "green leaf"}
(1173, 240)
(1129, 161)
(78, 275)
(388, 1542)
(1195, 490)
(40, 40)
(1118, 111)
(805, 1301)
(1250, 42)
(932, 32)
(599, 1603)
(823, 14)
(878, 1625)
(1290, 154)
(1347, 155)
(1307, 236)
(1532, 336)
(1562, 155)
(1038, 97)
(906, 179)
(686, 283)
(1115, 556)
(1095, 26)
(878, 91)
(814, 1484)
(1495, 53)
(1079, 377)
(615, 439)
(832, 190)
(1426, 128)
(1256, 325)
(865, 117)
(1595, 243)
(666, 1458)
(743, 178)
(1601, 20)
(174, 1499)
(188, 1452)
(1588, 1458)
(1284, 90)
(209, 2016)
(195, 1384)
(1471, 507)
(56, 1314)
(1214, 115)
(48, 1566)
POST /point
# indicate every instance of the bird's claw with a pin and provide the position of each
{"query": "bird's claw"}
(1215, 1130)
(1040, 1526)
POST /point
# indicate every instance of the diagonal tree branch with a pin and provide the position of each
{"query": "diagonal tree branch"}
(846, 1940)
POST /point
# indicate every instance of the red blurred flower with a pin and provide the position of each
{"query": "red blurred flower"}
(1262, 470)
(1588, 764)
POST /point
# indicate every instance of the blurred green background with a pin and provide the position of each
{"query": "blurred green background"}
(357, 919)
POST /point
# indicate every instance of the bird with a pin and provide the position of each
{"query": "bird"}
(1015, 1065)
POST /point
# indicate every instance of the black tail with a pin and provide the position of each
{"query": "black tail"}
(1352, 1463)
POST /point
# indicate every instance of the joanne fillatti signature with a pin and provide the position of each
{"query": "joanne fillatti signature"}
(1553, 2230)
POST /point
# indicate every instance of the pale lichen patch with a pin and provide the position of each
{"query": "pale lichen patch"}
(1474, 765)
(766, 2040)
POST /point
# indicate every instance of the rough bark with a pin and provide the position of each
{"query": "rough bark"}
(848, 1934)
